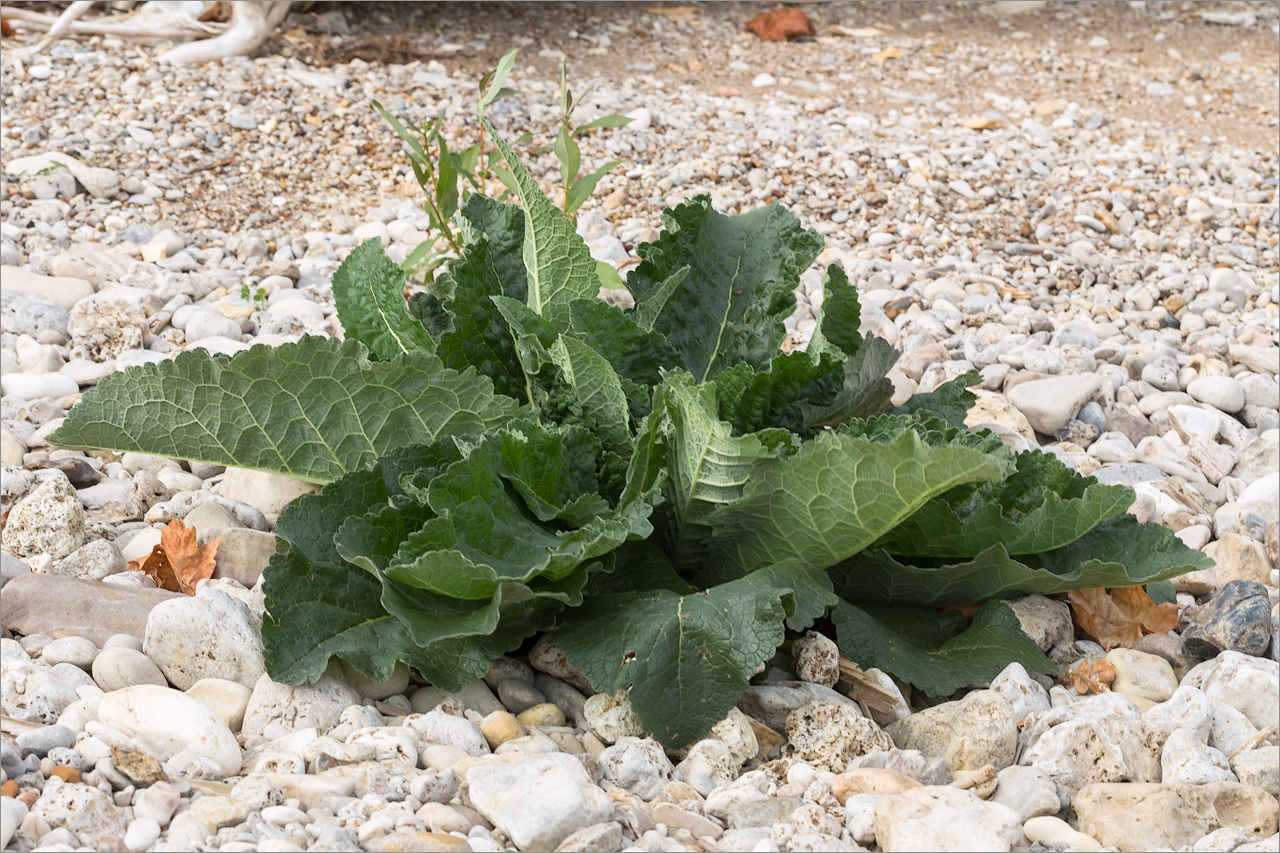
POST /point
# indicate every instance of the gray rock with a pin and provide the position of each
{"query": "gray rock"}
(76, 651)
(828, 735)
(42, 740)
(597, 838)
(119, 667)
(174, 722)
(909, 762)
(269, 493)
(242, 553)
(1049, 404)
(106, 326)
(283, 708)
(1045, 620)
(11, 567)
(210, 323)
(639, 766)
(564, 696)
(538, 800)
(42, 603)
(438, 727)
(979, 729)
(518, 695)
(1237, 618)
(933, 818)
(63, 291)
(1186, 759)
(1128, 474)
(28, 692)
(1027, 791)
(1259, 767)
(92, 561)
(1221, 392)
(772, 703)
(49, 520)
(27, 313)
(210, 635)
(763, 813)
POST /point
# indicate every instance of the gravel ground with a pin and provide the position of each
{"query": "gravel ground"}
(1079, 200)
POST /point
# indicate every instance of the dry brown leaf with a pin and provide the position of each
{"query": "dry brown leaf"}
(178, 563)
(980, 123)
(1120, 616)
(894, 52)
(781, 25)
(1093, 676)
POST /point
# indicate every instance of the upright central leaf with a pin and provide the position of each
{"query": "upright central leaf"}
(556, 260)
(709, 466)
(731, 306)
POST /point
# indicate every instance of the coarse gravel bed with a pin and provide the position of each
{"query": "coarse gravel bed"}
(1076, 199)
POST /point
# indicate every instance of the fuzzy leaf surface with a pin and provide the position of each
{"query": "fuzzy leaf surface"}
(368, 290)
(558, 267)
(1118, 552)
(312, 410)
(935, 652)
(836, 496)
(865, 391)
(731, 306)
(491, 265)
(1041, 506)
(708, 465)
(686, 658)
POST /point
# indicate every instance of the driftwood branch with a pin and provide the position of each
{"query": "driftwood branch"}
(126, 27)
(251, 26)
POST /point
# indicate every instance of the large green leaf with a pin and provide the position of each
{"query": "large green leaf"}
(312, 410)
(557, 263)
(780, 396)
(836, 496)
(554, 470)
(935, 652)
(841, 314)
(635, 353)
(319, 607)
(686, 658)
(1040, 506)
(596, 388)
(491, 265)
(368, 290)
(1118, 552)
(708, 466)
(484, 536)
(950, 401)
(865, 392)
(731, 306)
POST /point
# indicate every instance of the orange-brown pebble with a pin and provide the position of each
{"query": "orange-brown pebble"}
(870, 780)
(9, 789)
(65, 773)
